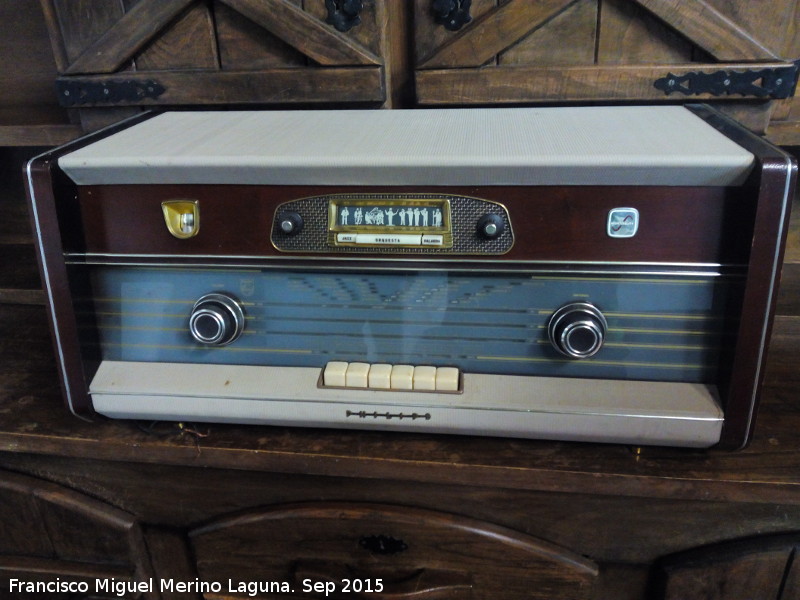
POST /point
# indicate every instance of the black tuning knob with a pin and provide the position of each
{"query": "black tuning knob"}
(577, 330)
(491, 226)
(290, 223)
(217, 319)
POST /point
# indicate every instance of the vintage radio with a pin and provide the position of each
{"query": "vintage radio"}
(598, 274)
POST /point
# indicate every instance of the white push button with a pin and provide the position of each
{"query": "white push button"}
(334, 375)
(346, 238)
(356, 375)
(447, 379)
(389, 239)
(432, 240)
(380, 376)
(424, 378)
(402, 377)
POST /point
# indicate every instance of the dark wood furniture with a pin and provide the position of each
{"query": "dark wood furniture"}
(71, 66)
(607, 51)
(455, 517)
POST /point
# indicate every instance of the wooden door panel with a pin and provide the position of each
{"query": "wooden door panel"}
(128, 34)
(767, 21)
(319, 41)
(243, 45)
(708, 28)
(187, 43)
(632, 35)
(494, 32)
(51, 533)
(176, 52)
(577, 23)
(610, 50)
(430, 35)
(79, 24)
(754, 569)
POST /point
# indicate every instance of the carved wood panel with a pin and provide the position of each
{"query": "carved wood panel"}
(393, 551)
(49, 534)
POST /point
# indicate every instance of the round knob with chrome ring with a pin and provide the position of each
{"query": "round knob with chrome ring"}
(577, 330)
(217, 319)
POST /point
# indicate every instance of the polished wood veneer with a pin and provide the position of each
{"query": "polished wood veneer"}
(678, 225)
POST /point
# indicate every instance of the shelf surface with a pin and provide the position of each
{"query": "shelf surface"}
(34, 420)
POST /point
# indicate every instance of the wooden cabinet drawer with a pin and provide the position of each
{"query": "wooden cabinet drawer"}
(383, 551)
(52, 534)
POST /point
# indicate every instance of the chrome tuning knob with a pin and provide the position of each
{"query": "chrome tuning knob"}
(577, 330)
(217, 319)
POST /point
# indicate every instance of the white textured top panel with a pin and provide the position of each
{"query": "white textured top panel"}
(664, 145)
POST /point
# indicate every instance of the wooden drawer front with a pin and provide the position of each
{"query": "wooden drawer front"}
(757, 568)
(49, 533)
(403, 551)
(178, 52)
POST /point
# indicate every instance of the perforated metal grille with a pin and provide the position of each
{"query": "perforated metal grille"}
(465, 213)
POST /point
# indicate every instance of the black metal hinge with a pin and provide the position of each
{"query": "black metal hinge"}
(778, 83)
(100, 93)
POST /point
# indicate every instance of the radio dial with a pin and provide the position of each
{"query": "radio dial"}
(217, 319)
(291, 223)
(491, 226)
(577, 330)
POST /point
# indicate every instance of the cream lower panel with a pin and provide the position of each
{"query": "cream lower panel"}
(629, 412)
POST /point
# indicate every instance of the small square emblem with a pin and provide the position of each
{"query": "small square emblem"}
(622, 222)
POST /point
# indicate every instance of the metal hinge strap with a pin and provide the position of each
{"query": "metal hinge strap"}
(776, 82)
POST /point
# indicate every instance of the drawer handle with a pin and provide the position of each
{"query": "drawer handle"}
(382, 544)
(417, 584)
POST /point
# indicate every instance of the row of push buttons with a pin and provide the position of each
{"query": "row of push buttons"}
(390, 377)
(390, 239)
